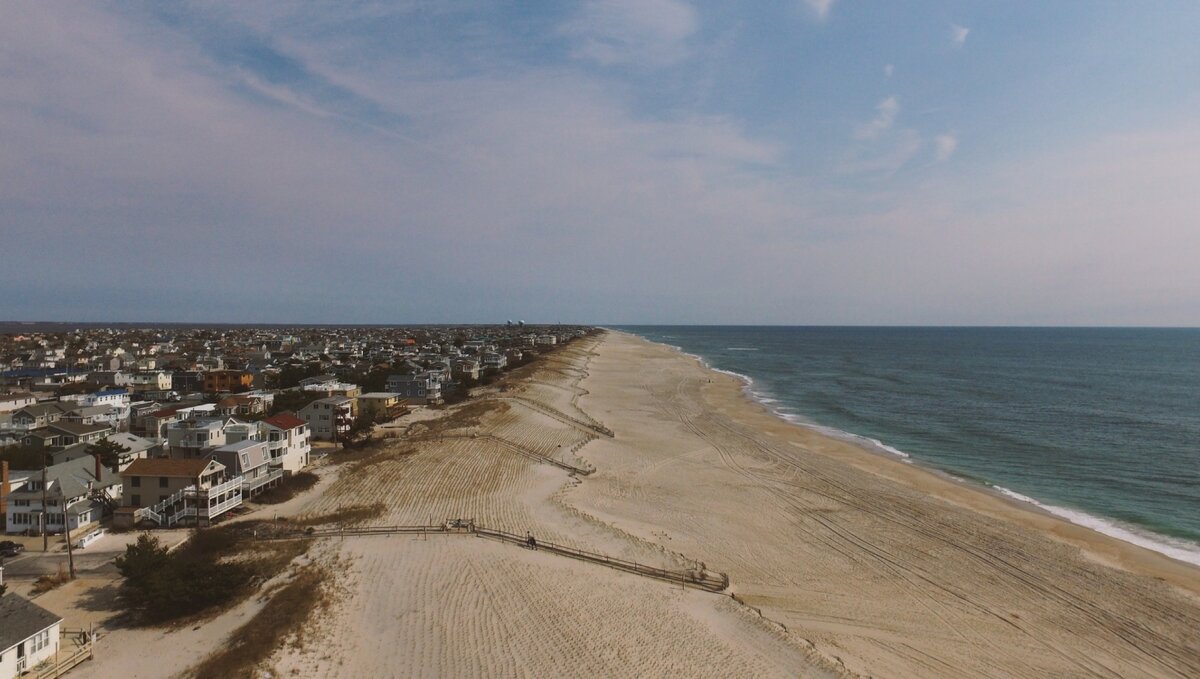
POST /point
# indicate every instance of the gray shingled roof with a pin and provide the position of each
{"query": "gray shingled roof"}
(22, 619)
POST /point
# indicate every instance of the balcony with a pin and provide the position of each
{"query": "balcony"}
(252, 486)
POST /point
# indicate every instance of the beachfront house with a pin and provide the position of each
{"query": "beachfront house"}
(328, 418)
(250, 460)
(173, 492)
(29, 635)
(288, 445)
(382, 404)
(422, 388)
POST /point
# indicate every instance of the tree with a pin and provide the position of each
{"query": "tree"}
(360, 429)
(141, 560)
(108, 451)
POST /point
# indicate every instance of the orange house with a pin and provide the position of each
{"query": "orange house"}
(227, 380)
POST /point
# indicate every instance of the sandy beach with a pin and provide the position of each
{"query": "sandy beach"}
(840, 562)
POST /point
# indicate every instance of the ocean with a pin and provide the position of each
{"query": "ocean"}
(1100, 426)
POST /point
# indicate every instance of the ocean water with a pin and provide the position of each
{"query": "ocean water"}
(1099, 426)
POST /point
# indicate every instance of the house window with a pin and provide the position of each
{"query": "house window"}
(136, 481)
(20, 503)
(162, 482)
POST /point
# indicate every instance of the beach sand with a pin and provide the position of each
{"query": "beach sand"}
(841, 562)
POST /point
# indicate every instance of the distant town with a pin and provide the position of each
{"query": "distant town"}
(119, 428)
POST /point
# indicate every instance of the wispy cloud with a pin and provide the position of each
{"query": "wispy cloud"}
(944, 145)
(958, 34)
(888, 70)
(645, 32)
(885, 117)
(820, 7)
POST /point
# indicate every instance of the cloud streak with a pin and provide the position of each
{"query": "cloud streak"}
(632, 32)
(958, 35)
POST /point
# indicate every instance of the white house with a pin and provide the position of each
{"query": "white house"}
(29, 635)
(11, 402)
(328, 418)
(76, 490)
(287, 438)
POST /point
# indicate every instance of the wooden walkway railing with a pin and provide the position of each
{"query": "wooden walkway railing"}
(698, 578)
(64, 661)
(592, 427)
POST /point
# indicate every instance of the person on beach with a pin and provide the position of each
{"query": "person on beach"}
(530, 541)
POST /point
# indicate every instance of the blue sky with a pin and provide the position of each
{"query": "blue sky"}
(636, 161)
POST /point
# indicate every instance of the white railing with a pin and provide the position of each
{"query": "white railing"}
(253, 484)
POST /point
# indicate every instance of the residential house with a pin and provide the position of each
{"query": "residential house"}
(16, 401)
(39, 415)
(195, 438)
(154, 424)
(139, 448)
(76, 491)
(421, 388)
(117, 378)
(169, 492)
(242, 404)
(326, 389)
(493, 360)
(466, 369)
(184, 381)
(28, 637)
(150, 380)
(250, 460)
(105, 414)
(288, 444)
(380, 404)
(328, 418)
(217, 381)
(62, 434)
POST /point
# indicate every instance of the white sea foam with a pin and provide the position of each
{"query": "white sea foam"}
(741, 349)
(1181, 550)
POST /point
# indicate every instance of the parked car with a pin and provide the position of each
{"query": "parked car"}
(10, 548)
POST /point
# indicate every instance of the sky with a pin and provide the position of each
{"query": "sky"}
(613, 162)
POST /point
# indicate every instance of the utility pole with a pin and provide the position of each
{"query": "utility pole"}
(45, 522)
(67, 535)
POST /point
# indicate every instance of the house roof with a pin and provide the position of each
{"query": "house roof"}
(39, 409)
(16, 396)
(135, 444)
(71, 478)
(22, 619)
(164, 466)
(78, 428)
(379, 394)
(285, 421)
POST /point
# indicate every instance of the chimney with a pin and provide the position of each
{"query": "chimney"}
(97, 466)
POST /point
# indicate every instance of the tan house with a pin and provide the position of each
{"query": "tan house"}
(168, 492)
(390, 404)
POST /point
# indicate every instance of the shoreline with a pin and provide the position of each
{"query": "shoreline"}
(1098, 544)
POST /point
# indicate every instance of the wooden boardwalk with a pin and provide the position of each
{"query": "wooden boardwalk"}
(698, 578)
